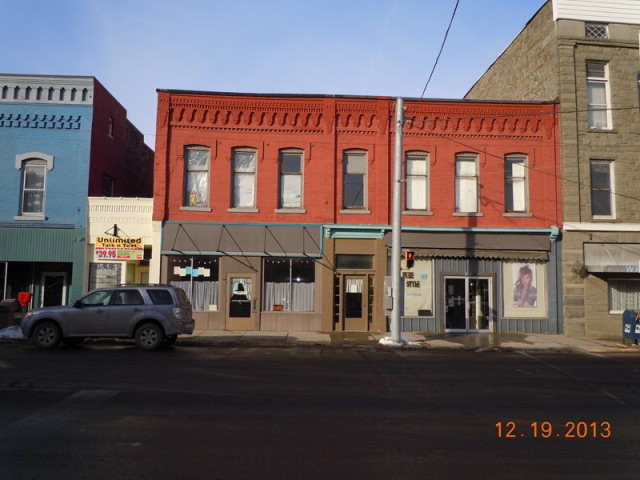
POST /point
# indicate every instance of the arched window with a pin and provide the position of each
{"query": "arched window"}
(33, 168)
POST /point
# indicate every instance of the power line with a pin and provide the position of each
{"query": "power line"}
(444, 40)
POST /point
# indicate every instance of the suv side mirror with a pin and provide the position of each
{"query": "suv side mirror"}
(77, 304)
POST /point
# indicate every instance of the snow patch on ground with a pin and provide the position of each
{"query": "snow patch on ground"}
(404, 340)
(11, 332)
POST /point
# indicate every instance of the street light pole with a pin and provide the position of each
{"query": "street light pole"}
(396, 226)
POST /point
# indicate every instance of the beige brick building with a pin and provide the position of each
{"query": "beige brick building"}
(585, 54)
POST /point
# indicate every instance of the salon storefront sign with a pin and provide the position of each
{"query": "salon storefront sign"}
(117, 248)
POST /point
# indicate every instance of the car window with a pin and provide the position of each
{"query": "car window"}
(99, 297)
(160, 296)
(127, 297)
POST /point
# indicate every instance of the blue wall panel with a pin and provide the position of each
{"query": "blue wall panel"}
(62, 131)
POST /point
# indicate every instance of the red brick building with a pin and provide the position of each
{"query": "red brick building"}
(276, 210)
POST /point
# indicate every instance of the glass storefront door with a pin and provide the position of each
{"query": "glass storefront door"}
(467, 304)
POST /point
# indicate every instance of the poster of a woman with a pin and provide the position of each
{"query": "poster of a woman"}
(524, 291)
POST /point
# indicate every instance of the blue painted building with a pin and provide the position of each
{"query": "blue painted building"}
(62, 139)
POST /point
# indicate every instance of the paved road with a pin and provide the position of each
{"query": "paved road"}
(112, 411)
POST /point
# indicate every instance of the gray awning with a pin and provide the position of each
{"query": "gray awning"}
(612, 257)
(478, 245)
(238, 239)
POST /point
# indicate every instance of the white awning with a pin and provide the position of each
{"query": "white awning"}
(612, 257)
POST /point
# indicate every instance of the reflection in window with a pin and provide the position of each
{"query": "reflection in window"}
(244, 178)
(290, 179)
(196, 177)
(466, 183)
(198, 277)
(601, 188)
(355, 179)
(289, 284)
(515, 183)
(598, 95)
(417, 181)
(33, 187)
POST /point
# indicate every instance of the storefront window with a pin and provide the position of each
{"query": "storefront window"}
(418, 289)
(525, 290)
(198, 277)
(104, 275)
(623, 295)
(289, 284)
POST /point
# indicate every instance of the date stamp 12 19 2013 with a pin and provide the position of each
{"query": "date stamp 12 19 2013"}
(545, 429)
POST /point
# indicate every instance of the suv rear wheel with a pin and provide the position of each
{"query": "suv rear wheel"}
(46, 335)
(149, 336)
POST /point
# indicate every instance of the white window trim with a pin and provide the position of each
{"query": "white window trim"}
(300, 208)
(461, 156)
(48, 161)
(525, 165)
(185, 203)
(618, 279)
(612, 189)
(427, 176)
(607, 89)
(364, 208)
(246, 208)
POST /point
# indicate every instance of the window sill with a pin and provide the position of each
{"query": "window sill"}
(355, 212)
(468, 214)
(30, 217)
(195, 209)
(417, 212)
(243, 210)
(290, 210)
(600, 130)
(518, 214)
(606, 218)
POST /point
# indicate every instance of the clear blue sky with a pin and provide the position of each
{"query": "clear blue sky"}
(348, 47)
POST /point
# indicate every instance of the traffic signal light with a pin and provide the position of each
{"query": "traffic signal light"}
(408, 255)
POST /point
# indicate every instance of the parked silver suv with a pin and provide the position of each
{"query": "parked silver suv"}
(154, 315)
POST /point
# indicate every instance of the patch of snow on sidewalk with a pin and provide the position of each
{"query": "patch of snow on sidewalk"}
(11, 332)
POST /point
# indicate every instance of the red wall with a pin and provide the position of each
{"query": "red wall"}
(325, 126)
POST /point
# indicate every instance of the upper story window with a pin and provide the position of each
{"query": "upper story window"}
(244, 178)
(196, 185)
(466, 183)
(290, 179)
(107, 185)
(602, 192)
(417, 181)
(515, 183)
(110, 128)
(355, 179)
(598, 95)
(33, 169)
(596, 30)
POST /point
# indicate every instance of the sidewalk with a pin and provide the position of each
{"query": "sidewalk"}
(448, 341)
(480, 342)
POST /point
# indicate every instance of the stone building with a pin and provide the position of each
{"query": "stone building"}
(584, 53)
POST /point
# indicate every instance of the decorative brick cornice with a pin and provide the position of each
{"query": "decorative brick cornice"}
(421, 121)
(36, 120)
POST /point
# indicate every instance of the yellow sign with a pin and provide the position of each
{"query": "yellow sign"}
(116, 248)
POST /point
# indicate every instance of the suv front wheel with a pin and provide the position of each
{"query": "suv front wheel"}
(149, 336)
(46, 335)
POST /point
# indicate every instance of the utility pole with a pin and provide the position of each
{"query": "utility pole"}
(396, 227)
